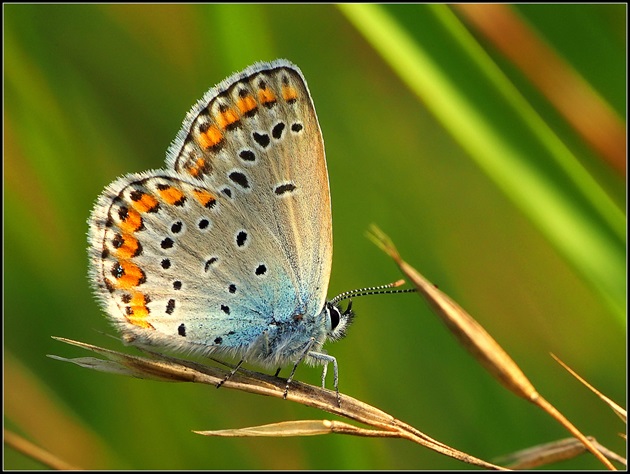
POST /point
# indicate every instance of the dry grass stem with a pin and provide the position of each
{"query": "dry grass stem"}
(36, 453)
(619, 411)
(164, 368)
(478, 342)
(555, 451)
(300, 428)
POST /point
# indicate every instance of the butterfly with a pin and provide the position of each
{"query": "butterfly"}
(227, 249)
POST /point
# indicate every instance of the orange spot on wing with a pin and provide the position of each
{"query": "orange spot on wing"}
(128, 248)
(145, 203)
(246, 104)
(132, 222)
(171, 195)
(266, 96)
(138, 299)
(137, 311)
(197, 168)
(211, 137)
(139, 321)
(131, 277)
(204, 197)
(289, 93)
(227, 118)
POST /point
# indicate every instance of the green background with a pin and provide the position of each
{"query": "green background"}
(96, 91)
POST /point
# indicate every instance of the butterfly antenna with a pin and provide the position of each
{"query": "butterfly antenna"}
(372, 290)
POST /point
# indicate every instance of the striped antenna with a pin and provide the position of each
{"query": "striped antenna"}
(372, 290)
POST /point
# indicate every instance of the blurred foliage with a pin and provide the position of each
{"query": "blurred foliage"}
(95, 91)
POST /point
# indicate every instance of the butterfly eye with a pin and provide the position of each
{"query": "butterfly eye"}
(339, 320)
(334, 317)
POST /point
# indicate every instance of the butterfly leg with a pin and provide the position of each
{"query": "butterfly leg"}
(326, 359)
(228, 376)
(306, 351)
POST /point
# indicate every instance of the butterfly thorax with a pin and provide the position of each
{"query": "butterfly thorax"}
(286, 342)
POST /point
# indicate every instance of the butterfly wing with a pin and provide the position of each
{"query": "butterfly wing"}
(231, 242)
